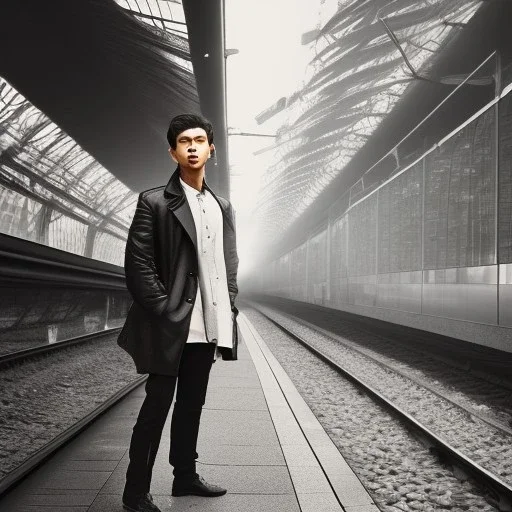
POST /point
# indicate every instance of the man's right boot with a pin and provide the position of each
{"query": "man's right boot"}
(139, 502)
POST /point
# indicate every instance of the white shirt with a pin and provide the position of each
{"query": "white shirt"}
(211, 315)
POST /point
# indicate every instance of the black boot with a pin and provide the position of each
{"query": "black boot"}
(139, 503)
(196, 487)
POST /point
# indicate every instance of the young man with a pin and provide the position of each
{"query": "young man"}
(181, 266)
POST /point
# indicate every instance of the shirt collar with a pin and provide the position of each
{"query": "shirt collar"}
(191, 190)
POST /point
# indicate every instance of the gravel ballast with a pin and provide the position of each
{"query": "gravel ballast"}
(398, 469)
(483, 443)
(42, 398)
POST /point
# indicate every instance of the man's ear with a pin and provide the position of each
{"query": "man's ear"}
(212, 150)
(172, 154)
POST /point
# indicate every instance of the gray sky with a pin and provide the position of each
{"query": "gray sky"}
(271, 64)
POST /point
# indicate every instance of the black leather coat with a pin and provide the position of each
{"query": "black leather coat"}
(161, 268)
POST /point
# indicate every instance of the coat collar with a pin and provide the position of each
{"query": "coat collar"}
(178, 204)
(174, 191)
(176, 195)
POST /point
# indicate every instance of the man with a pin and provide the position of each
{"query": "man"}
(181, 266)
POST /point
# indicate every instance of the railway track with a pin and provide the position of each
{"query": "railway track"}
(41, 350)
(11, 360)
(478, 361)
(49, 449)
(501, 488)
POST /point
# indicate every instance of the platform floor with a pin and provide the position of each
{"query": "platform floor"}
(258, 438)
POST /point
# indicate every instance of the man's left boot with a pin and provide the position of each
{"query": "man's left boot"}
(196, 487)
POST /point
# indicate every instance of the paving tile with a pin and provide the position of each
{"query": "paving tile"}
(115, 482)
(139, 391)
(289, 434)
(350, 490)
(243, 368)
(88, 465)
(108, 437)
(285, 383)
(267, 378)
(317, 438)
(161, 482)
(309, 479)
(253, 503)
(39, 508)
(363, 508)
(76, 492)
(210, 453)
(235, 399)
(283, 416)
(65, 463)
(113, 424)
(275, 398)
(22, 498)
(236, 382)
(299, 455)
(113, 503)
(127, 407)
(236, 503)
(249, 479)
(319, 502)
(254, 433)
(226, 503)
(93, 480)
(237, 479)
(232, 419)
(332, 460)
(300, 407)
(92, 452)
(308, 424)
(56, 500)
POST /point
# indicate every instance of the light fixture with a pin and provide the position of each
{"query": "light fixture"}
(230, 51)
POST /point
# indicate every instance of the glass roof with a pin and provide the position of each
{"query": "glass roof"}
(37, 156)
(41, 165)
(362, 59)
(167, 19)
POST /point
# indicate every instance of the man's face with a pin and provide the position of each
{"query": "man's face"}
(192, 149)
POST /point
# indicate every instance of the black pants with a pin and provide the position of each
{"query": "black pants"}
(194, 371)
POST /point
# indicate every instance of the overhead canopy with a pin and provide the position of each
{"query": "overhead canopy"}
(378, 68)
(111, 75)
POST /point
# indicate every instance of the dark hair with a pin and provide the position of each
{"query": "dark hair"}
(185, 121)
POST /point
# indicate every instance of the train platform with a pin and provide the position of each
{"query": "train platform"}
(258, 438)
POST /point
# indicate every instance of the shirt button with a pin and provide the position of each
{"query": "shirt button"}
(191, 274)
(190, 301)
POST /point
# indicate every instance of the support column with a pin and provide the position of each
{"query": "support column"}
(89, 243)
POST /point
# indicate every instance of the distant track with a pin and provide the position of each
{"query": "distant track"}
(457, 458)
(325, 332)
(29, 353)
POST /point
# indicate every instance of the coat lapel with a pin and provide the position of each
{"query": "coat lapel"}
(184, 215)
(178, 205)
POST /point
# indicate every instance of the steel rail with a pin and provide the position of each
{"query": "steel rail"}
(437, 346)
(505, 429)
(29, 353)
(46, 451)
(502, 489)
